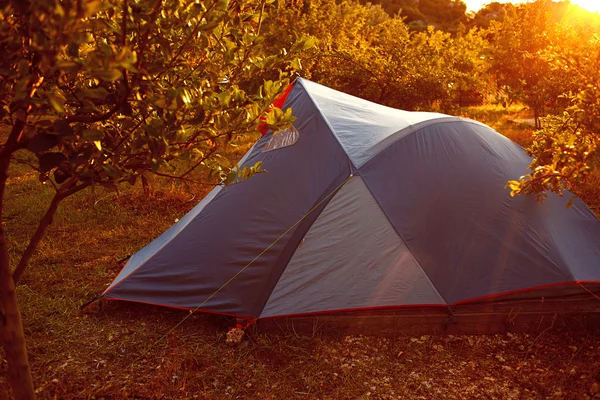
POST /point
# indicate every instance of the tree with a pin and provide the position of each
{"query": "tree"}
(361, 50)
(491, 12)
(519, 47)
(565, 149)
(469, 57)
(445, 15)
(108, 92)
(518, 42)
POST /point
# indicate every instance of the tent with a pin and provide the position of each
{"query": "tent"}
(365, 208)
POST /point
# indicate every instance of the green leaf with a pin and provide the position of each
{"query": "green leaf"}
(62, 127)
(92, 134)
(94, 93)
(68, 66)
(224, 98)
(92, 7)
(309, 43)
(209, 26)
(57, 102)
(222, 4)
(231, 177)
(296, 64)
(49, 161)
(60, 176)
(42, 142)
(162, 102)
(108, 75)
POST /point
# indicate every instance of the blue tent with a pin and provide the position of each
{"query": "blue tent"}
(367, 207)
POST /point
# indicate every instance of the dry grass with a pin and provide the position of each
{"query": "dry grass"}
(113, 352)
(508, 121)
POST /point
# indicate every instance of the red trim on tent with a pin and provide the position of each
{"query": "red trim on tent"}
(181, 308)
(492, 296)
(473, 300)
(279, 102)
(445, 306)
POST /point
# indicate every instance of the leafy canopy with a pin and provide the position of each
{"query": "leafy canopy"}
(565, 149)
(102, 92)
(108, 91)
(361, 50)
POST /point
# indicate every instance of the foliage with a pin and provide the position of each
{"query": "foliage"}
(99, 93)
(471, 64)
(493, 11)
(521, 45)
(444, 15)
(565, 150)
(118, 98)
(516, 54)
(361, 50)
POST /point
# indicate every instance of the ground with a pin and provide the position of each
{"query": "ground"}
(123, 350)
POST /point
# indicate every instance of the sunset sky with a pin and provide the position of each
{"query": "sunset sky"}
(474, 5)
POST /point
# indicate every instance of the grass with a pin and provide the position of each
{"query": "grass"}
(512, 123)
(112, 352)
(509, 121)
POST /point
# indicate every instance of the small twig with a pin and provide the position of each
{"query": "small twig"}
(260, 18)
(103, 198)
(122, 260)
(87, 303)
(210, 153)
(124, 23)
(541, 333)
(185, 179)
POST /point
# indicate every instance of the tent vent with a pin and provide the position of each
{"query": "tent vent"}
(283, 138)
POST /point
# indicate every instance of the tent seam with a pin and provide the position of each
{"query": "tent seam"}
(329, 197)
(403, 240)
(417, 128)
(239, 164)
(112, 287)
(352, 165)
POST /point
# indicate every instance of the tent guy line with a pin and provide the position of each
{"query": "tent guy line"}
(251, 262)
(424, 221)
(191, 312)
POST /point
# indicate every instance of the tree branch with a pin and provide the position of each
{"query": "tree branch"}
(186, 42)
(88, 119)
(124, 23)
(210, 153)
(144, 38)
(181, 178)
(71, 187)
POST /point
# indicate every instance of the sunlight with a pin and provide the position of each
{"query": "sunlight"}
(591, 5)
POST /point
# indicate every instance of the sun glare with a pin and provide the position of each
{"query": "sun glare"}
(590, 5)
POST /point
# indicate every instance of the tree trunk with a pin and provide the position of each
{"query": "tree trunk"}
(11, 331)
(11, 324)
(35, 240)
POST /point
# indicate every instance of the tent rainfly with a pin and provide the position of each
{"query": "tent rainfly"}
(365, 207)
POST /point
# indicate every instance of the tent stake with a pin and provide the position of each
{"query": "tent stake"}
(451, 318)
